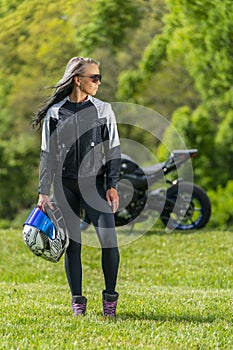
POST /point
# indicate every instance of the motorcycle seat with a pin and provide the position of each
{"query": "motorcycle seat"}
(151, 170)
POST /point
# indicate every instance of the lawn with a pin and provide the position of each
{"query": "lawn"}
(176, 292)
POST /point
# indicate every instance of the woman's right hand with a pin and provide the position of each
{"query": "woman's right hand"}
(44, 201)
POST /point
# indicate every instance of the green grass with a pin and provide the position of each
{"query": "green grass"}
(175, 293)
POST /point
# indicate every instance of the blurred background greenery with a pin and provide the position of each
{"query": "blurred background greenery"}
(173, 56)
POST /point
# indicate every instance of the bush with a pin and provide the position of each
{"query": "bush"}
(4, 224)
(222, 206)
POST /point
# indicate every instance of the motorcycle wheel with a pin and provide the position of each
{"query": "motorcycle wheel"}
(187, 207)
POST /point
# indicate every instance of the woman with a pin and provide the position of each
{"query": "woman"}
(78, 130)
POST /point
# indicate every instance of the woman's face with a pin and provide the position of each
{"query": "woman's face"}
(89, 81)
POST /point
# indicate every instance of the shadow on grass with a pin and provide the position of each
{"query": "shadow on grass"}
(158, 230)
(163, 232)
(167, 318)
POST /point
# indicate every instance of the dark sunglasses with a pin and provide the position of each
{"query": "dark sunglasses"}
(95, 77)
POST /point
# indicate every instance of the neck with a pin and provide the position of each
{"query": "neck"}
(78, 96)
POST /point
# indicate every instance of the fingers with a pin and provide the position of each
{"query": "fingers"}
(44, 201)
(115, 205)
(112, 199)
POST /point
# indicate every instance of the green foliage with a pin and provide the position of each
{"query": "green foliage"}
(205, 29)
(33, 51)
(19, 172)
(8, 6)
(130, 83)
(179, 125)
(222, 204)
(107, 24)
(201, 38)
(175, 293)
(154, 54)
(224, 148)
(36, 41)
(127, 82)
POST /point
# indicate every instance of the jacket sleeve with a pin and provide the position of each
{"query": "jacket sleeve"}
(112, 150)
(47, 155)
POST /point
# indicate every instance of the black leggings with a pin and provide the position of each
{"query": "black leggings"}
(92, 198)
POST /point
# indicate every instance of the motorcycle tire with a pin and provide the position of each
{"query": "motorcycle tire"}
(187, 207)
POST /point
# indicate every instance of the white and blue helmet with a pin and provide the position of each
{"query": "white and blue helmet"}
(45, 234)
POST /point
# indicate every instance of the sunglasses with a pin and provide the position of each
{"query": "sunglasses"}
(95, 77)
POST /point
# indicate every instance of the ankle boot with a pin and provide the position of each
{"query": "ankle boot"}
(109, 303)
(79, 304)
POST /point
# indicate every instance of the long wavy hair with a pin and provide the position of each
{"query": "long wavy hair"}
(75, 66)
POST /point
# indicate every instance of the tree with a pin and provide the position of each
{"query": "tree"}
(107, 24)
(30, 59)
(36, 41)
(199, 35)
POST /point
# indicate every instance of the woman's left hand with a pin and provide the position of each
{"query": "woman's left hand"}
(112, 199)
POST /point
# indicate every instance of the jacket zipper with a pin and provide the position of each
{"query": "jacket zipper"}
(77, 139)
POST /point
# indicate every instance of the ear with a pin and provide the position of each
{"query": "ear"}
(76, 80)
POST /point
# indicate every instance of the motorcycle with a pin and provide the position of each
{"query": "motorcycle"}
(180, 204)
